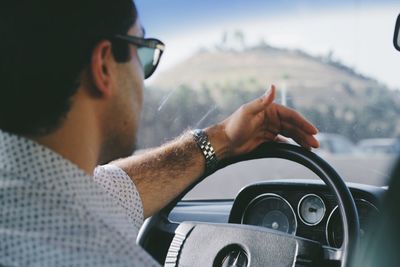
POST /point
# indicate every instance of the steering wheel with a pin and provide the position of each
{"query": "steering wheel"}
(211, 244)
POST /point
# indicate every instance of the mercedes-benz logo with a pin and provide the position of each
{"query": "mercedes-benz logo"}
(235, 258)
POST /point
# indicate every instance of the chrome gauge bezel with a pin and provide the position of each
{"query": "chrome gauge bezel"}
(327, 225)
(262, 196)
(299, 211)
(335, 209)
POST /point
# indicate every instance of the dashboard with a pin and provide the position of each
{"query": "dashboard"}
(305, 208)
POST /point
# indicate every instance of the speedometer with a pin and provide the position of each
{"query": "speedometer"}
(311, 209)
(271, 211)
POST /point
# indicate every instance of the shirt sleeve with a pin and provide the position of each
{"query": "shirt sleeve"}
(121, 188)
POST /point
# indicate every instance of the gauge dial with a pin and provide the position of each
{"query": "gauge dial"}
(271, 211)
(334, 231)
(311, 209)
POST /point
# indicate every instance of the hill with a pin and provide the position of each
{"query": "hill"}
(331, 94)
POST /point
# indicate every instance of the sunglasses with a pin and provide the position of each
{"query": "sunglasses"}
(396, 38)
(149, 51)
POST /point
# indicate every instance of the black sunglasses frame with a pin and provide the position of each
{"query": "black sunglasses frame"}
(144, 42)
(396, 34)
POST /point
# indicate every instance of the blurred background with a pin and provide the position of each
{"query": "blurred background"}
(333, 61)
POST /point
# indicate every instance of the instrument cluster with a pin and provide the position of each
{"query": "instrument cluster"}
(309, 214)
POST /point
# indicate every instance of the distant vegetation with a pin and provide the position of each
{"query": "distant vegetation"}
(337, 100)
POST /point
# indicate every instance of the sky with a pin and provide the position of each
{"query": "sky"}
(358, 33)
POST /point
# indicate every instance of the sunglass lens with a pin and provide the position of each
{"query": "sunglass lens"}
(149, 59)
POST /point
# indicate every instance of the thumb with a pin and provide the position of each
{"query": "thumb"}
(261, 103)
(269, 96)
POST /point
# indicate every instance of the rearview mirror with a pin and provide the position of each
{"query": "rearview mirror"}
(396, 39)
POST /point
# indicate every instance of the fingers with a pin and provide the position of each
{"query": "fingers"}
(291, 116)
(297, 134)
(261, 103)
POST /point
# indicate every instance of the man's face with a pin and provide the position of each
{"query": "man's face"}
(122, 120)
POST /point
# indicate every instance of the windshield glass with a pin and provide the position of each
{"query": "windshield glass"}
(333, 61)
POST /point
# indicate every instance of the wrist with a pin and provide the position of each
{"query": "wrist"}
(219, 140)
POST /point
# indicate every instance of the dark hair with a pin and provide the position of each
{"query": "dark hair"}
(44, 47)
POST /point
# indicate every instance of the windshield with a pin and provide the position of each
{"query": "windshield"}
(333, 61)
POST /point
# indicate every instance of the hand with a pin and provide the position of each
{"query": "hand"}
(259, 121)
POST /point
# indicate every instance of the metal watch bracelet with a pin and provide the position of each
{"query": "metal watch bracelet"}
(201, 138)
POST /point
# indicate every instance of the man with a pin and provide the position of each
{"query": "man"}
(72, 82)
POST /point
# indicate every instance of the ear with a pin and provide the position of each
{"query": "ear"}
(102, 68)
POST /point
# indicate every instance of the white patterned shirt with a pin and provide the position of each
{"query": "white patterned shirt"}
(54, 214)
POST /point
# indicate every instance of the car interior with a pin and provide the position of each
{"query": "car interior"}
(329, 221)
(304, 236)
(336, 62)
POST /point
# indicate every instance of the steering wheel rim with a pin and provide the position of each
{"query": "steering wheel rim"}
(303, 157)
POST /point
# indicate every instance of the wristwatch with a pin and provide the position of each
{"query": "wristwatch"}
(201, 138)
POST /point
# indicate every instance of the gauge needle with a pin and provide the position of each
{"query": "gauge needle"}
(312, 209)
